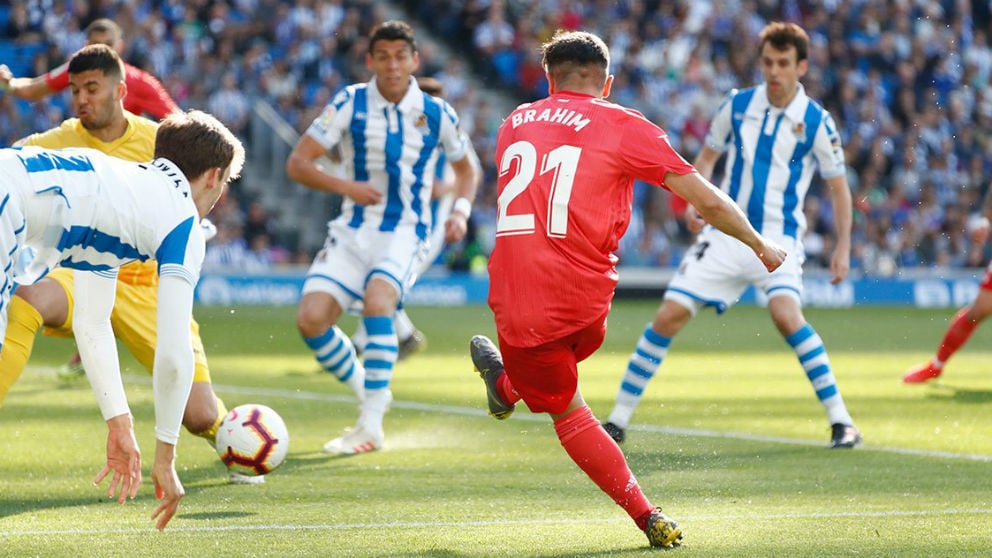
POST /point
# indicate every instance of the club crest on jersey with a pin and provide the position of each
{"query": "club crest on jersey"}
(421, 125)
(799, 130)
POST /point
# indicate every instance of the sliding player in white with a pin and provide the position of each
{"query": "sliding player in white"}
(84, 210)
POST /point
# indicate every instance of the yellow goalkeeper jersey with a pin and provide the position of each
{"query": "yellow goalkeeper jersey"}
(137, 144)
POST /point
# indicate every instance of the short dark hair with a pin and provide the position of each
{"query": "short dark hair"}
(781, 35)
(393, 30)
(197, 142)
(104, 25)
(571, 52)
(97, 57)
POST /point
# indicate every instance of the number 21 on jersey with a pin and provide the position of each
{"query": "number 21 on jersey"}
(562, 161)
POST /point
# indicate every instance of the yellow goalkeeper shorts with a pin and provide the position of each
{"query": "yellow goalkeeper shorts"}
(133, 319)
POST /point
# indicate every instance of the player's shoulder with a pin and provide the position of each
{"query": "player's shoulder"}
(135, 74)
(145, 128)
(440, 106)
(350, 92)
(618, 111)
(66, 134)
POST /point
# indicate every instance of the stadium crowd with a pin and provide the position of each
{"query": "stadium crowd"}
(908, 82)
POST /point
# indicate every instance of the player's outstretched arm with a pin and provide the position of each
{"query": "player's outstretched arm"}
(98, 350)
(172, 379)
(31, 89)
(721, 212)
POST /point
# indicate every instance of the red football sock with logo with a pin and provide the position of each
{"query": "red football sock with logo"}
(957, 334)
(592, 449)
(505, 391)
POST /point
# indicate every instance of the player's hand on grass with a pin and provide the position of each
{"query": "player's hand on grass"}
(167, 485)
(363, 193)
(123, 459)
(771, 254)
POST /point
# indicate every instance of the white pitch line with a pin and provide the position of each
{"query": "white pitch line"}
(671, 430)
(657, 429)
(496, 522)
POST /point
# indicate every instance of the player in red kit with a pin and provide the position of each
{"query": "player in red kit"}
(567, 164)
(145, 93)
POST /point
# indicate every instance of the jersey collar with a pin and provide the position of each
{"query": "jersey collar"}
(795, 110)
(413, 99)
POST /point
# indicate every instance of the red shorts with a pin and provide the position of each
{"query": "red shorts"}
(546, 376)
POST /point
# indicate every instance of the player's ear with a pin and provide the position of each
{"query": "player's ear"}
(607, 86)
(552, 84)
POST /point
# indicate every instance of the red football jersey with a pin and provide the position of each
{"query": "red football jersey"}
(567, 165)
(145, 94)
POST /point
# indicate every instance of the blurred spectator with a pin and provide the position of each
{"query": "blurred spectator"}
(230, 105)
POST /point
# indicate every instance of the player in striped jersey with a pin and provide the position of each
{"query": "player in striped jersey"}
(411, 339)
(92, 213)
(98, 87)
(390, 135)
(774, 136)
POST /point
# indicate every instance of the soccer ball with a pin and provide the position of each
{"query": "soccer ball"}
(252, 440)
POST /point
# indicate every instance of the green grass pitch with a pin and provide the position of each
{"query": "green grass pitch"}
(729, 440)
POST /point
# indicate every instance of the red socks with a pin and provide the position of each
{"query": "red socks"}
(505, 391)
(957, 334)
(592, 449)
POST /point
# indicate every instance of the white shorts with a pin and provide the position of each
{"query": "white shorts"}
(351, 257)
(718, 268)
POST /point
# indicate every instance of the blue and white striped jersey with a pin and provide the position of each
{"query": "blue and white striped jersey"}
(771, 154)
(393, 146)
(85, 210)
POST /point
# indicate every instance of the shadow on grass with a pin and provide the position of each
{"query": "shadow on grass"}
(960, 394)
(14, 506)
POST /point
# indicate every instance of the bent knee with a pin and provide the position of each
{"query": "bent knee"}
(200, 418)
(317, 312)
(311, 324)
